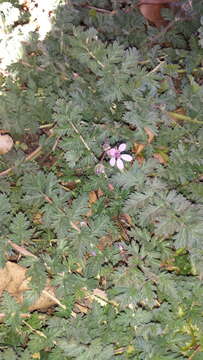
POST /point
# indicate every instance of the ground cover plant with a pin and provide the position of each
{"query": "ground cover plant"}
(101, 197)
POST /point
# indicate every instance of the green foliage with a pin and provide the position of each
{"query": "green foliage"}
(123, 250)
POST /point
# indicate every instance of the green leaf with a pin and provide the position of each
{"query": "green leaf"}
(20, 228)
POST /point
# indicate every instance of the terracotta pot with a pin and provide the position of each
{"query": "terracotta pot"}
(151, 10)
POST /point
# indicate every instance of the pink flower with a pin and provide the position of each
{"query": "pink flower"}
(99, 169)
(117, 158)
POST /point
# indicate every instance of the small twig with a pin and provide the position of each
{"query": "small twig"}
(40, 333)
(31, 66)
(29, 157)
(162, 32)
(96, 297)
(21, 249)
(156, 68)
(83, 140)
(102, 11)
(34, 154)
(94, 57)
(195, 352)
(182, 117)
(99, 10)
(46, 126)
(52, 297)
(55, 144)
(74, 226)
(181, 71)
(6, 172)
(184, 8)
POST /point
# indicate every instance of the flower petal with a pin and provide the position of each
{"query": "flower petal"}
(122, 147)
(112, 152)
(99, 169)
(112, 161)
(126, 157)
(120, 164)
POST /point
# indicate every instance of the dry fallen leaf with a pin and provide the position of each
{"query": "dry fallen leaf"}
(36, 356)
(100, 193)
(162, 158)
(37, 218)
(137, 148)
(44, 301)
(104, 242)
(92, 197)
(110, 187)
(6, 143)
(81, 308)
(140, 159)
(126, 219)
(13, 280)
(150, 134)
(100, 296)
(69, 185)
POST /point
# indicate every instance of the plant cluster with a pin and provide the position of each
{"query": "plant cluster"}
(102, 193)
